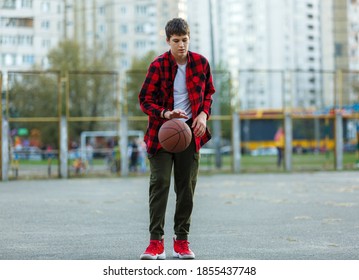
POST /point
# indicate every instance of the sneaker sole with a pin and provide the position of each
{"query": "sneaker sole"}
(151, 257)
(185, 257)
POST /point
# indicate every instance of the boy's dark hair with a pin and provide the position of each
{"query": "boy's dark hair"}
(177, 26)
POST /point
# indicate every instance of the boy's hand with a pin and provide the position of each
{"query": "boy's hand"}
(175, 114)
(199, 125)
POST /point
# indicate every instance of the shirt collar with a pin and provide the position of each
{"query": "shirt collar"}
(173, 62)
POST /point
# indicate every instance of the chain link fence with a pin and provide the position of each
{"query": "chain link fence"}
(32, 109)
(93, 115)
(248, 109)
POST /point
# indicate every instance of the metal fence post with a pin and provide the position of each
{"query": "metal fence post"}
(124, 145)
(288, 150)
(63, 148)
(236, 125)
(236, 142)
(4, 137)
(1, 118)
(339, 141)
(5, 149)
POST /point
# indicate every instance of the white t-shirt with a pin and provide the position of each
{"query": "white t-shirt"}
(181, 100)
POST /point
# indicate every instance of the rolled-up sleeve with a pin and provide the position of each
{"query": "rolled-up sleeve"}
(210, 90)
(150, 88)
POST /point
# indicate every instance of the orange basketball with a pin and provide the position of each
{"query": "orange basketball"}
(175, 136)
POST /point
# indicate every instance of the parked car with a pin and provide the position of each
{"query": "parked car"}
(226, 150)
(28, 153)
(350, 148)
(264, 151)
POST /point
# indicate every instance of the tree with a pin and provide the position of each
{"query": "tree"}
(135, 77)
(34, 95)
(92, 93)
(224, 97)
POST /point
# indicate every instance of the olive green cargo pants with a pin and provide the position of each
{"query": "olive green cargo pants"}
(185, 170)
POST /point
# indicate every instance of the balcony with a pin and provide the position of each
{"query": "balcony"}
(16, 22)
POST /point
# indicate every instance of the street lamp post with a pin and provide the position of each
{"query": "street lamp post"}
(216, 105)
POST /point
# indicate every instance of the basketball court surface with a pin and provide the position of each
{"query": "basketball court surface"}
(289, 216)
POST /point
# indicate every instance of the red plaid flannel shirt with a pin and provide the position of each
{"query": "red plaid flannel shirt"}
(156, 94)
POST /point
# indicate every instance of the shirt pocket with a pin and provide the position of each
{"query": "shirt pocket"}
(165, 91)
(198, 86)
(197, 156)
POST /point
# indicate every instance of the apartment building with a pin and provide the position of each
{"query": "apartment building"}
(308, 40)
(200, 19)
(258, 40)
(340, 48)
(353, 37)
(346, 42)
(126, 27)
(130, 28)
(28, 30)
(253, 39)
(353, 13)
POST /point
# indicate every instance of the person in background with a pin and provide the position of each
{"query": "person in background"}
(279, 143)
(89, 155)
(142, 155)
(133, 156)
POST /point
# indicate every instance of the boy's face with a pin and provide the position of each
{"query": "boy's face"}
(179, 47)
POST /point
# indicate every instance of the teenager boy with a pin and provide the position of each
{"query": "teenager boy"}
(179, 85)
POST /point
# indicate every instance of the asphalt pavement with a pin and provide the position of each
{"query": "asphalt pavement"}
(284, 216)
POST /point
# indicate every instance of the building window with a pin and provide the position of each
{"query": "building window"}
(102, 10)
(9, 4)
(123, 46)
(338, 49)
(28, 59)
(46, 43)
(45, 62)
(123, 29)
(141, 10)
(45, 7)
(140, 44)
(101, 29)
(5, 40)
(26, 3)
(9, 59)
(29, 40)
(14, 40)
(124, 63)
(123, 10)
(13, 22)
(21, 40)
(45, 24)
(140, 28)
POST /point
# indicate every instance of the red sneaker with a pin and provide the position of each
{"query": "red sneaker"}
(154, 251)
(181, 249)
